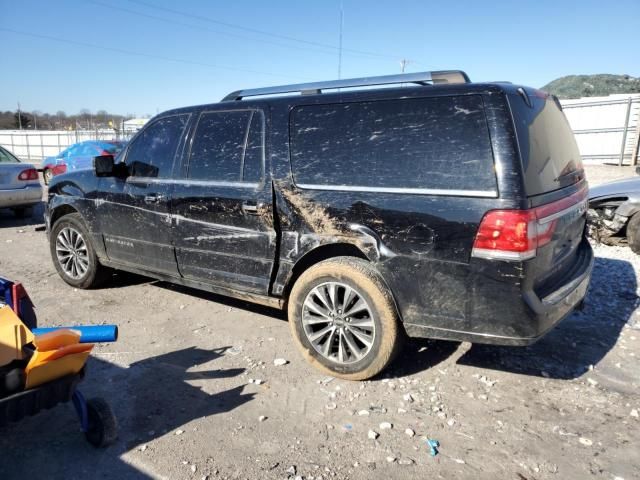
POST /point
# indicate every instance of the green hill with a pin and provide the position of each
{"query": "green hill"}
(601, 85)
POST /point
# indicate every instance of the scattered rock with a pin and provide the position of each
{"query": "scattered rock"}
(458, 460)
(386, 426)
(363, 413)
(258, 382)
(408, 398)
(179, 432)
(372, 435)
(331, 406)
(405, 461)
(291, 470)
(194, 468)
(451, 422)
(278, 362)
(409, 432)
(585, 441)
(592, 382)
(262, 418)
(391, 459)
(143, 448)
(634, 413)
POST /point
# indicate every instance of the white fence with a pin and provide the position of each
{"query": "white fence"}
(35, 145)
(606, 128)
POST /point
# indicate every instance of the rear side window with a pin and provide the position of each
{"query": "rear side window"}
(225, 149)
(550, 156)
(151, 154)
(6, 157)
(439, 143)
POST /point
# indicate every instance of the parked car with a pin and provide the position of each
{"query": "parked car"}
(440, 208)
(614, 209)
(20, 186)
(79, 157)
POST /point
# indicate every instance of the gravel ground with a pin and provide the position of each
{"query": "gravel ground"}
(193, 382)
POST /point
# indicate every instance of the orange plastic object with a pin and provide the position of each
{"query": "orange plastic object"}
(13, 336)
(47, 371)
(56, 339)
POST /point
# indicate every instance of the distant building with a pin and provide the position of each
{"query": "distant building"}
(134, 124)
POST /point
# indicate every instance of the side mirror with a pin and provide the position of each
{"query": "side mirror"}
(103, 166)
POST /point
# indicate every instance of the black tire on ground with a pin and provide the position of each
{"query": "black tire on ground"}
(633, 233)
(96, 274)
(362, 278)
(102, 429)
(47, 175)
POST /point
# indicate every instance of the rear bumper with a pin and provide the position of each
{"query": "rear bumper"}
(514, 317)
(21, 197)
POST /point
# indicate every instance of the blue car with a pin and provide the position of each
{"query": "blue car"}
(79, 157)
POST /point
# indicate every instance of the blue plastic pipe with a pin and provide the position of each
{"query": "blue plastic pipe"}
(88, 334)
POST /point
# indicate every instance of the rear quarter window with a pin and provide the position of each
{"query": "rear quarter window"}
(439, 143)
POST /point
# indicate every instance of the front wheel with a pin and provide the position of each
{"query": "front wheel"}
(73, 254)
(343, 318)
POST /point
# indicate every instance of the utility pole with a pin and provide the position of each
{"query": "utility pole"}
(19, 117)
(340, 40)
(403, 64)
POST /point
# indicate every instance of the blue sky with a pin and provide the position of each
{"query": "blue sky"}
(145, 56)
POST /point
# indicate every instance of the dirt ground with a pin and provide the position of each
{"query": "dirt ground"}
(182, 381)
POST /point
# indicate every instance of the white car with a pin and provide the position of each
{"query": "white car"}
(20, 187)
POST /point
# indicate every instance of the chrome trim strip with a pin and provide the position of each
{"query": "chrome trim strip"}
(174, 181)
(412, 191)
(562, 213)
(502, 255)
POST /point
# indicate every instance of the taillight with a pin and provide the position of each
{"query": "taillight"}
(517, 234)
(28, 174)
(59, 169)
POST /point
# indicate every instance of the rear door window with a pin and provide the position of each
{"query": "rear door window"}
(152, 153)
(550, 156)
(218, 146)
(438, 143)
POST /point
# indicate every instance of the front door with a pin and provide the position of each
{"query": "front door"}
(134, 215)
(224, 233)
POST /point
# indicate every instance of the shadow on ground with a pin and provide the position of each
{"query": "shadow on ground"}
(152, 398)
(579, 341)
(8, 219)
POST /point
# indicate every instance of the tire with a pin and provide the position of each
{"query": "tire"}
(88, 272)
(633, 233)
(377, 323)
(102, 429)
(47, 175)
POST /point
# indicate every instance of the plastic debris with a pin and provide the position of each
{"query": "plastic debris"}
(433, 446)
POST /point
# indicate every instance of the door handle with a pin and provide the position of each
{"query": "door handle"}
(153, 198)
(251, 208)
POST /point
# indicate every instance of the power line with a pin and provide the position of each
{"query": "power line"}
(142, 54)
(261, 32)
(207, 29)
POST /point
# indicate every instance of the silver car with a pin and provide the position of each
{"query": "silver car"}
(614, 212)
(20, 187)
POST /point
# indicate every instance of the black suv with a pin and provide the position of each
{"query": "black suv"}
(433, 206)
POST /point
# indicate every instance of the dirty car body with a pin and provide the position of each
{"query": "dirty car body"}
(417, 182)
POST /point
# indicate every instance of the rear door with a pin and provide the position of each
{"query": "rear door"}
(554, 181)
(224, 233)
(134, 213)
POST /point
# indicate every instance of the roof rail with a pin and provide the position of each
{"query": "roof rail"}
(421, 78)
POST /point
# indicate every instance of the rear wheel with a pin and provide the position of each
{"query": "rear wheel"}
(633, 233)
(102, 429)
(343, 318)
(73, 254)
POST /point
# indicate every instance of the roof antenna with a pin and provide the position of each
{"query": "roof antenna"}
(340, 40)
